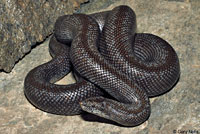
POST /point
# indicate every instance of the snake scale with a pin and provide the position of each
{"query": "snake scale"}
(107, 56)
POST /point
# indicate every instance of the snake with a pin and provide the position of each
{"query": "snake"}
(107, 56)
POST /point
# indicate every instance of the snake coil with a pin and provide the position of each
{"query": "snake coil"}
(108, 55)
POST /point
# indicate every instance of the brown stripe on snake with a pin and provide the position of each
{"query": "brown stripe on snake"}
(151, 62)
(52, 98)
(131, 106)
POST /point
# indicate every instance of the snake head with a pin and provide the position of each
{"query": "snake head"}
(96, 105)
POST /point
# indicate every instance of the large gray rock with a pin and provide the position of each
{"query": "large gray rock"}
(176, 112)
(23, 24)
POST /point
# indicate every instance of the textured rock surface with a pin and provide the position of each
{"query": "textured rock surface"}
(177, 111)
(25, 23)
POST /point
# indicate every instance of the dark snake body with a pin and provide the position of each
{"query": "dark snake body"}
(130, 67)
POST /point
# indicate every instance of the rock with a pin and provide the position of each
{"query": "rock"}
(24, 24)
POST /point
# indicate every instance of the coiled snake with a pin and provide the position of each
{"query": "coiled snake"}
(108, 55)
